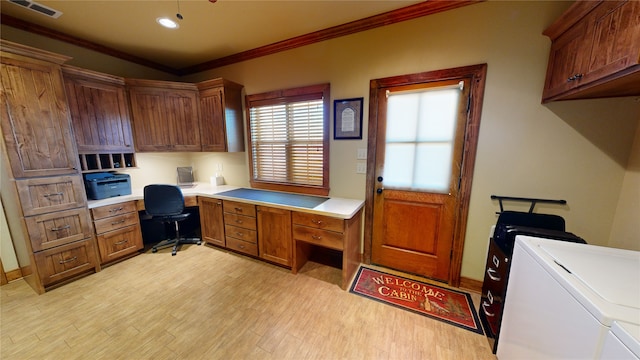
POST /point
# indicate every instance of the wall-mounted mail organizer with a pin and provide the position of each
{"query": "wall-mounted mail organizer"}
(91, 162)
(533, 201)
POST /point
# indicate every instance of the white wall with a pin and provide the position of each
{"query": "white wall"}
(625, 232)
(576, 150)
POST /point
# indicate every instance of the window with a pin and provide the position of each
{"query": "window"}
(289, 139)
(421, 130)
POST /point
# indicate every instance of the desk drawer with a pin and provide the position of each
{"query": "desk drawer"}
(66, 261)
(233, 207)
(318, 221)
(242, 246)
(242, 221)
(240, 233)
(44, 195)
(54, 229)
(118, 243)
(112, 210)
(116, 222)
(329, 239)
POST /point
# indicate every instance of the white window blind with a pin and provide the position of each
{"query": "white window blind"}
(287, 142)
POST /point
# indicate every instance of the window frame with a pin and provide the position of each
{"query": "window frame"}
(320, 91)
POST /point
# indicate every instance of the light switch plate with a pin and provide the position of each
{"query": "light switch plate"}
(361, 168)
(362, 154)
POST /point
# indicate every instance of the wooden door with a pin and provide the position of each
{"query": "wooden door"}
(35, 118)
(183, 120)
(149, 124)
(614, 39)
(566, 60)
(418, 218)
(274, 235)
(212, 132)
(212, 221)
(99, 111)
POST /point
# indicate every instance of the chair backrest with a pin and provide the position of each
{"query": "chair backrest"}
(163, 200)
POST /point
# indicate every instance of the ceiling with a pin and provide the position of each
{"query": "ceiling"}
(211, 34)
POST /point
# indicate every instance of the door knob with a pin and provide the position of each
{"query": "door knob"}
(380, 179)
(379, 190)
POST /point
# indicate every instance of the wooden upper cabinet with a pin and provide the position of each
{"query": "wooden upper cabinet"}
(595, 51)
(35, 118)
(99, 111)
(221, 124)
(165, 115)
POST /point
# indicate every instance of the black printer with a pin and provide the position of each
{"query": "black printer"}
(106, 185)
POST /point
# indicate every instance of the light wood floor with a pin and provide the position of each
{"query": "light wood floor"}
(206, 303)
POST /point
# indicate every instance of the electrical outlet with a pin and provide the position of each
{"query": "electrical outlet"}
(361, 168)
(362, 154)
(219, 167)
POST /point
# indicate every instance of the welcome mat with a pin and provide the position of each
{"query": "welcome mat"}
(451, 306)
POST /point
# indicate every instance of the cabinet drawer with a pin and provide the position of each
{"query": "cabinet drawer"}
(43, 195)
(242, 221)
(66, 261)
(118, 243)
(240, 233)
(242, 246)
(112, 210)
(318, 221)
(233, 207)
(116, 222)
(329, 239)
(55, 229)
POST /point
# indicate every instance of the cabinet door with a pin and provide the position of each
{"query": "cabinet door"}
(615, 38)
(149, 124)
(211, 221)
(165, 120)
(274, 235)
(212, 131)
(566, 60)
(183, 122)
(35, 118)
(100, 115)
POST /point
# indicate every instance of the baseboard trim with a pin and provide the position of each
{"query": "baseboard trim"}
(471, 285)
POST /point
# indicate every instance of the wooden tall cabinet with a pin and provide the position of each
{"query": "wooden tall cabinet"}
(47, 208)
(221, 124)
(595, 51)
(165, 115)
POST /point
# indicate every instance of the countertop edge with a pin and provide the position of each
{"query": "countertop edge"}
(342, 208)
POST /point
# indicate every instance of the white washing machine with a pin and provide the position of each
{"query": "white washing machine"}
(563, 299)
(622, 342)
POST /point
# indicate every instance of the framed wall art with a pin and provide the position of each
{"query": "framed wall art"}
(347, 119)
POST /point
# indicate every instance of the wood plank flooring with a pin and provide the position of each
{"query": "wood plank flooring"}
(206, 303)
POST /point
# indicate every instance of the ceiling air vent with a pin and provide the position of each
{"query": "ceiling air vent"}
(39, 8)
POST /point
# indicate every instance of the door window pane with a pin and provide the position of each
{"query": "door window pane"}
(419, 139)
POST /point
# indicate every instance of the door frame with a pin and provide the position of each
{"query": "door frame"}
(477, 76)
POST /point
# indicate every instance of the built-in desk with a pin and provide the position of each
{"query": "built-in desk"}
(335, 223)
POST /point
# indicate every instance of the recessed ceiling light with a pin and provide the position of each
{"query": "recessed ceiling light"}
(168, 23)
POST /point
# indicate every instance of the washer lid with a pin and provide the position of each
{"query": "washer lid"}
(612, 275)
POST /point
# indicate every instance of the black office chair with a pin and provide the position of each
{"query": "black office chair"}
(165, 203)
